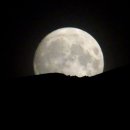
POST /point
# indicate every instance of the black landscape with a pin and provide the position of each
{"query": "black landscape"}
(120, 74)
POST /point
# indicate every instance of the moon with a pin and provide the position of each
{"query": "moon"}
(70, 51)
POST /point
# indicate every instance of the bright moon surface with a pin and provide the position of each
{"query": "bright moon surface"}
(70, 51)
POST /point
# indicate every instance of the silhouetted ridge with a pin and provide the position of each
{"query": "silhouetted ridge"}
(119, 73)
(54, 76)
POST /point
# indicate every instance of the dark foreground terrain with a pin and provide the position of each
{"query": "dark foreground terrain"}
(114, 80)
(107, 93)
(121, 73)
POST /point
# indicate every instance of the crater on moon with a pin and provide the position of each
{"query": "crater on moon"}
(83, 57)
(70, 51)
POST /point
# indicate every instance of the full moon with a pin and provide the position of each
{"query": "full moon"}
(70, 51)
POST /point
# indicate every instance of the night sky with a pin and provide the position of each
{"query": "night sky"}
(25, 24)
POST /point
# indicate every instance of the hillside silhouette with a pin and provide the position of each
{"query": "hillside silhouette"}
(114, 83)
(121, 73)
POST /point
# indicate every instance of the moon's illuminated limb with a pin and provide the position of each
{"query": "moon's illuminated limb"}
(70, 51)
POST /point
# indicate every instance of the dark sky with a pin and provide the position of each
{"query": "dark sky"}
(24, 25)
